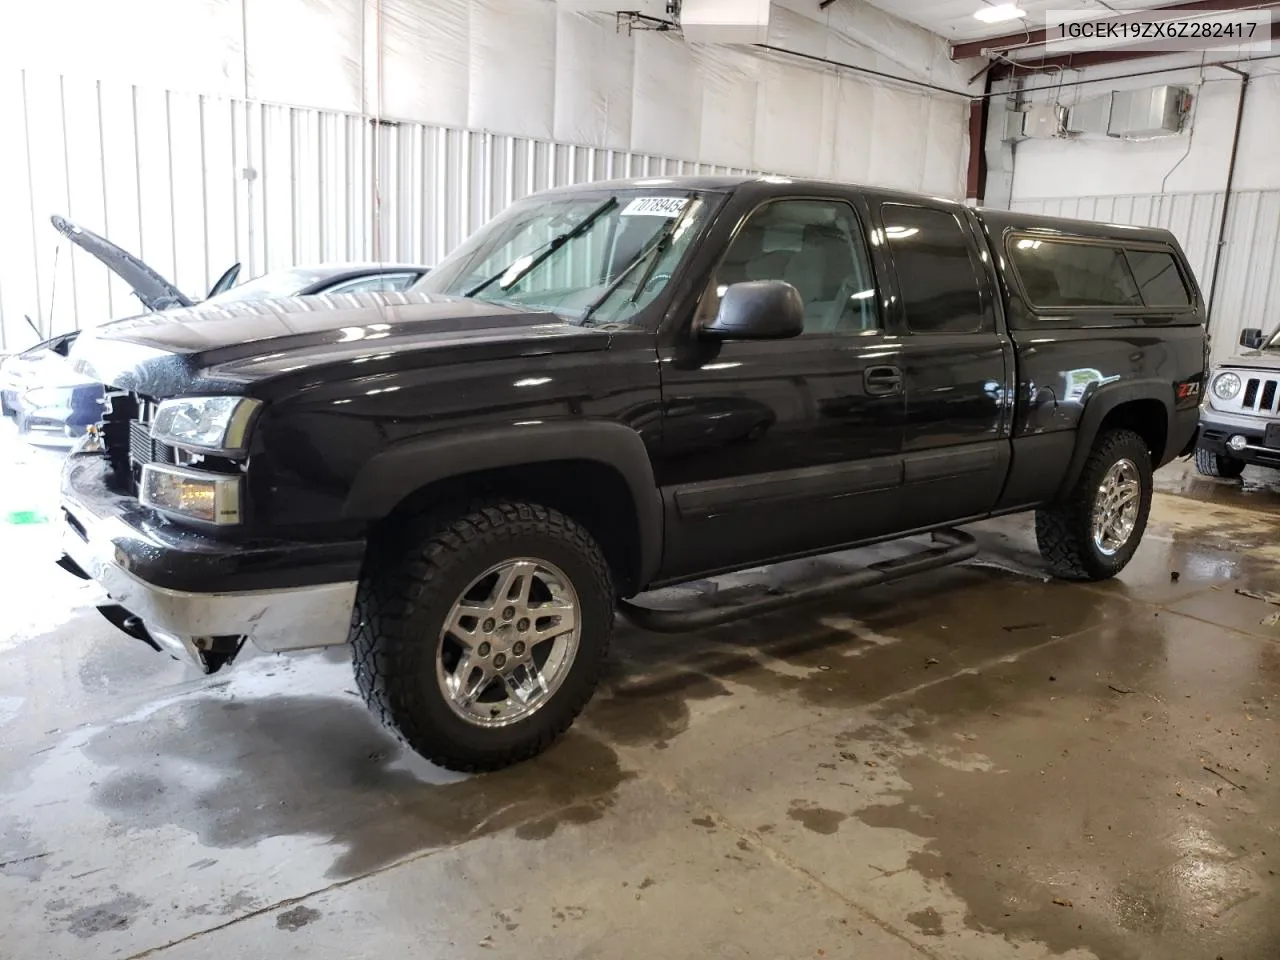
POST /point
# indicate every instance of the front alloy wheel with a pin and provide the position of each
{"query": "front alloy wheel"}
(508, 642)
(479, 635)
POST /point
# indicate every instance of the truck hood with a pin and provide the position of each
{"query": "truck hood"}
(155, 292)
(1254, 360)
(254, 346)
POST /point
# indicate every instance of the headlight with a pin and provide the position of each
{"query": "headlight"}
(1226, 386)
(211, 497)
(217, 425)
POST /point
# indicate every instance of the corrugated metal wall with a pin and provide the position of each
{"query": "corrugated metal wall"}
(194, 183)
(1249, 275)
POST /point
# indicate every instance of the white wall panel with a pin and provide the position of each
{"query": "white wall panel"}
(946, 137)
(594, 64)
(513, 67)
(1195, 161)
(851, 142)
(789, 130)
(19, 269)
(859, 33)
(665, 117)
(424, 70)
(730, 99)
(170, 44)
(898, 138)
(305, 52)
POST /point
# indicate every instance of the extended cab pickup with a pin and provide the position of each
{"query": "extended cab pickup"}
(608, 389)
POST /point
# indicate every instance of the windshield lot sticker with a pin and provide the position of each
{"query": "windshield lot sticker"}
(655, 207)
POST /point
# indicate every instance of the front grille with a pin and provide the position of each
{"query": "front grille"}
(126, 435)
(1260, 395)
(142, 449)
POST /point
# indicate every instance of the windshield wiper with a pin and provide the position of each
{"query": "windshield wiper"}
(657, 248)
(550, 247)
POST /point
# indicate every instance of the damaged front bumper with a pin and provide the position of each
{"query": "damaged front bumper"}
(196, 596)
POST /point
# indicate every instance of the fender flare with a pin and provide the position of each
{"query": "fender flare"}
(397, 471)
(1100, 403)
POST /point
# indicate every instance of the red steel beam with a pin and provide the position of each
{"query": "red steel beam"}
(1034, 38)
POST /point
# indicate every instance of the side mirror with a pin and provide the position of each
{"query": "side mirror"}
(1251, 338)
(757, 310)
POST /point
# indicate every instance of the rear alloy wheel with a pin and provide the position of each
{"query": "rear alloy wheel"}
(1218, 464)
(1115, 507)
(478, 637)
(1093, 532)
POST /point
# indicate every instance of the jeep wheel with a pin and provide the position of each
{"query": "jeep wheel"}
(1218, 464)
(1093, 533)
(479, 638)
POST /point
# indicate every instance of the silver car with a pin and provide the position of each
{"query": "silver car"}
(1240, 415)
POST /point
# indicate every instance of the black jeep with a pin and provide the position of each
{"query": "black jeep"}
(611, 388)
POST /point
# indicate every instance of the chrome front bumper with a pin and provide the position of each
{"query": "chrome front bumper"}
(183, 622)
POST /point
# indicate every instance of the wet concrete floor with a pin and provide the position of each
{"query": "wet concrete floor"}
(975, 763)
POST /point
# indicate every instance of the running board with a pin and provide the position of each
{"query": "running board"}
(950, 547)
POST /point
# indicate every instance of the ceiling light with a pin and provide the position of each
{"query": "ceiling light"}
(999, 13)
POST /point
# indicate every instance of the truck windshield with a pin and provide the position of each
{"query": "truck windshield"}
(597, 258)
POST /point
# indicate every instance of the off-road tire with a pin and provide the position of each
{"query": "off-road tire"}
(411, 579)
(1064, 530)
(1218, 464)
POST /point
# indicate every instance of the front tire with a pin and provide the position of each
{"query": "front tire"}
(1218, 465)
(478, 638)
(1093, 532)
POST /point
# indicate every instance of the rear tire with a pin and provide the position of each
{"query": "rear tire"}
(1093, 532)
(1218, 464)
(417, 675)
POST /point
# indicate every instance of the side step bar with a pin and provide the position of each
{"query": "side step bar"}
(950, 547)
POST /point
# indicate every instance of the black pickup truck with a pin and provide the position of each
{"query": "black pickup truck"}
(612, 388)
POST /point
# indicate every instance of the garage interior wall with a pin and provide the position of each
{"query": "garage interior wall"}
(197, 133)
(1179, 182)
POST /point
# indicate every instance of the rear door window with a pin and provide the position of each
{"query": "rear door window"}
(1158, 278)
(937, 276)
(1063, 274)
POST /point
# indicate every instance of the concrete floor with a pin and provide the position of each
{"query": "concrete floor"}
(975, 763)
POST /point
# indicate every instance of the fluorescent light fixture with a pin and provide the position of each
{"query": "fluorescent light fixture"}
(999, 13)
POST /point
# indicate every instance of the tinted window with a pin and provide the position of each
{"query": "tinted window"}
(818, 247)
(1158, 279)
(1057, 274)
(937, 278)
